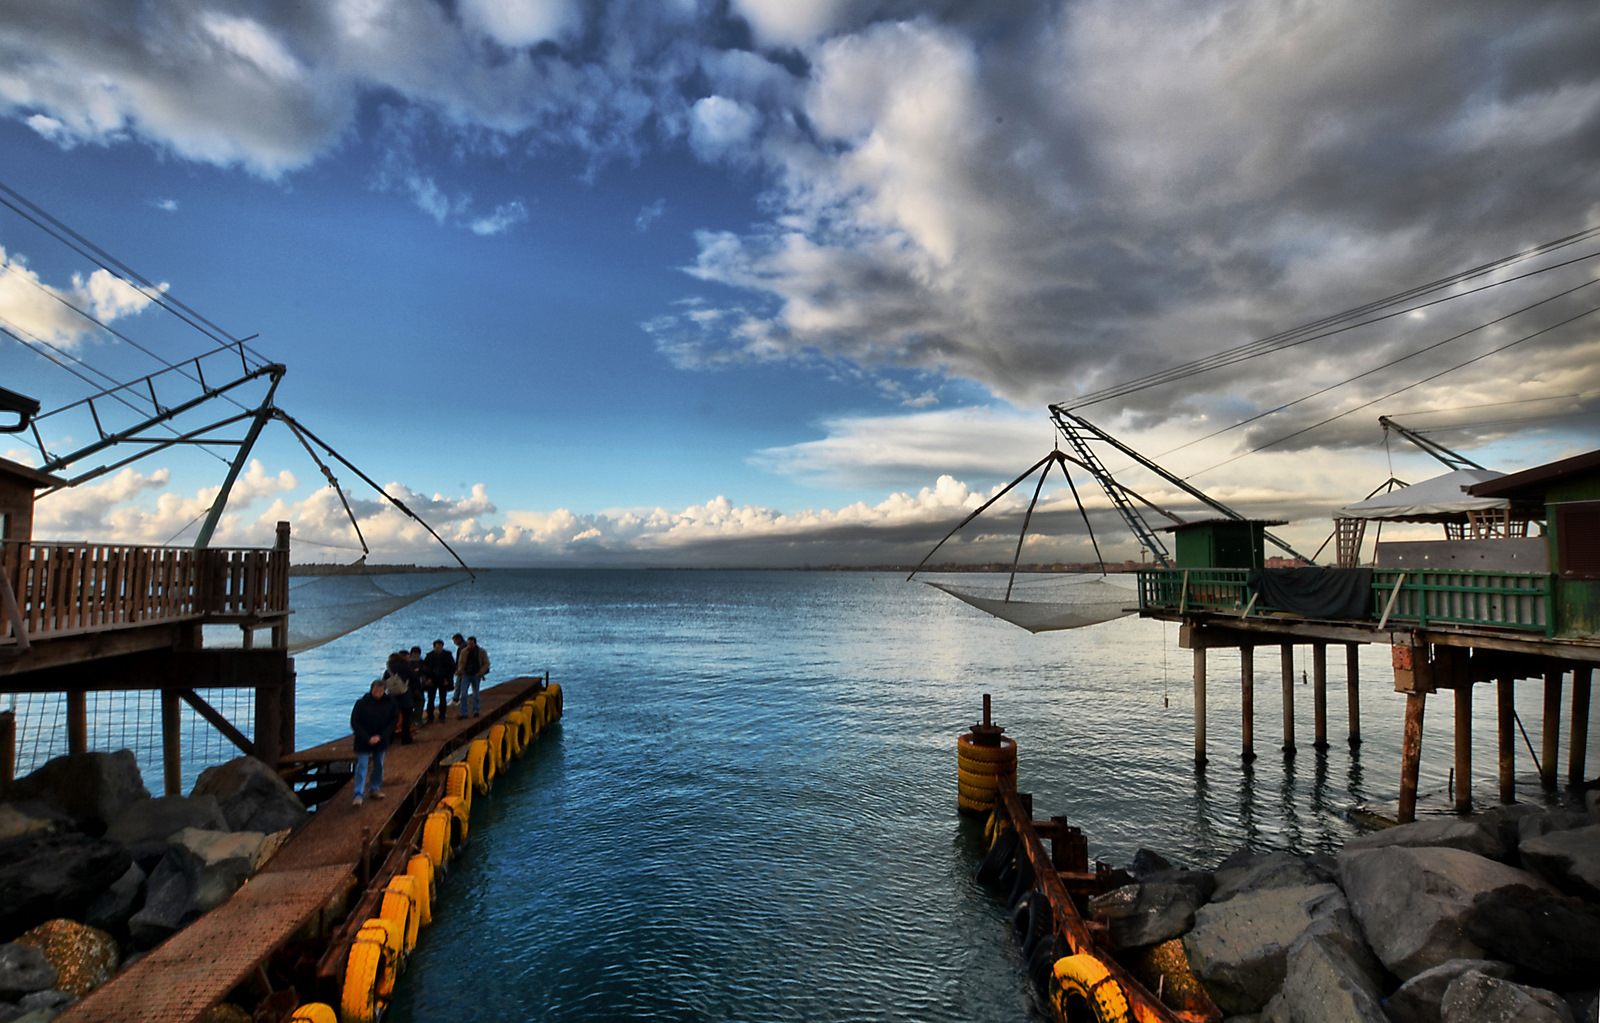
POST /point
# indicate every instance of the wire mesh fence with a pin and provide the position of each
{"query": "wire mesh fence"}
(131, 720)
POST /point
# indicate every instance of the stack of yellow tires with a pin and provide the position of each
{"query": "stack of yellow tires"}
(982, 770)
(383, 942)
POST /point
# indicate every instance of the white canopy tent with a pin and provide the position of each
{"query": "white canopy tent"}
(1441, 499)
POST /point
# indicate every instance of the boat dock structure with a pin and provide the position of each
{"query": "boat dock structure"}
(81, 621)
(1489, 604)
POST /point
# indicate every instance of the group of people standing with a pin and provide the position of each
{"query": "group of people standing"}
(413, 686)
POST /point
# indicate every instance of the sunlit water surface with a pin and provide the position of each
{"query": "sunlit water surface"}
(748, 812)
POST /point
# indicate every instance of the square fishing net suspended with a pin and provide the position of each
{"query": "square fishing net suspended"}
(329, 606)
(1047, 605)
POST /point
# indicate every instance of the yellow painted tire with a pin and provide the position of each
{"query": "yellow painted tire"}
(463, 818)
(1082, 988)
(458, 782)
(400, 904)
(420, 868)
(970, 753)
(543, 710)
(358, 998)
(436, 837)
(481, 760)
(497, 745)
(387, 934)
(314, 1012)
(985, 780)
(975, 807)
(524, 722)
(553, 691)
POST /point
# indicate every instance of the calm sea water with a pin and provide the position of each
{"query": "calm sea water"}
(748, 812)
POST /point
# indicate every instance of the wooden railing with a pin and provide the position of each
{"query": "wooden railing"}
(1503, 600)
(66, 589)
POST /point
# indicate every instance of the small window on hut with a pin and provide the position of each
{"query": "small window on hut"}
(1578, 540)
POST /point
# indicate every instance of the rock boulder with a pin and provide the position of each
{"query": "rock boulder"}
(1476, 997)
(199, 871)
(1412, 903)
(24, 970)
(145, 827)
(1473, 836)
(1247, 872)
(1550, 938)
(1324, 984)
(54, 875)
(84, 957)
(252, 796)
(91, 788)
(1568, 859)
(1239, 948)
(111, 909)
(1418, 999)
(1146, 914)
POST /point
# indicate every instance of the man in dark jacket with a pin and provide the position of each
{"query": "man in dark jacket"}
(372, 722)
(472, 663)
(439, 669)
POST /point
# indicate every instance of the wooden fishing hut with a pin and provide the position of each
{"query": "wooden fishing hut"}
(78, 618)
(1489, 603)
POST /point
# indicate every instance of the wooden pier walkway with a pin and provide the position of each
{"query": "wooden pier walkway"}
(198, 966)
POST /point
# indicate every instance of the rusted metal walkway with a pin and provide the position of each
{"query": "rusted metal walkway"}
(198, 966)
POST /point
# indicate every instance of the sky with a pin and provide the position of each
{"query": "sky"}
(791, 282)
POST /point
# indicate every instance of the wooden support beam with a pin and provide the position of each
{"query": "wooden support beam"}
(171, 744)
(1463, 749)
(1319, 695)
(1411, 756)
(77, 721)
(1200, 706)
(267, 747)
(1506, 709)
(1247, 700)
(1551, 736)
(1352, 682)
(286, 710)
(218, 722)
(1578, 740)
(1286, 657)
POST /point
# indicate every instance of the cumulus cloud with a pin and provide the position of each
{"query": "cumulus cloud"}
(39, 311)
(1041, 198)
(649, 214)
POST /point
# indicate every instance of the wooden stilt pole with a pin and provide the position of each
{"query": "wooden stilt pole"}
(1319, 694)
(1463, 746)
(268, 729)
(77, 722)
(1286, 653)
(1578, 739)
(1411, 756)
(1505, 693)
(1551, 737)
(1352, 676)
(1247, 700)
(171, 744)
(1200, 706)
(8, 750)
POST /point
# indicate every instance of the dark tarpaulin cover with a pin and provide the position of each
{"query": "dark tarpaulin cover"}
(1315, 592)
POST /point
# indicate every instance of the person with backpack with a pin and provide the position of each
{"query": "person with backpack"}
(402, 683)
(471, 666)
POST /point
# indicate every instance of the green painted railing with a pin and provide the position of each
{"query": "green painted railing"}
(1504, 600)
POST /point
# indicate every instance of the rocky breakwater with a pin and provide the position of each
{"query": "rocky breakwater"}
(94, 871)
(1494, 917)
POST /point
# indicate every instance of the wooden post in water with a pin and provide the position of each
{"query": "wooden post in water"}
(1286, 655)
(171, 744)
(1319, 694)
(1505, 693)
(1552, 729)
(1352, 682)
(77, 721)
(1578, 740)
(1200, 706)
(1463, 745)
(1411, 756)
(1247, 700)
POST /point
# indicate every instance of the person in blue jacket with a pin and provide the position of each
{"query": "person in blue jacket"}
(372, 722)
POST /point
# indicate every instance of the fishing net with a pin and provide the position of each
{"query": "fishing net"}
(329, 606)
(1047, 605)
